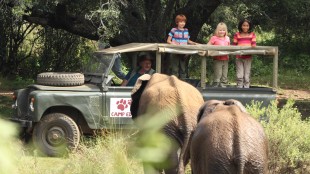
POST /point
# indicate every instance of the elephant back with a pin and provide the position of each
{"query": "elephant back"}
(231, 140)
(172, 96)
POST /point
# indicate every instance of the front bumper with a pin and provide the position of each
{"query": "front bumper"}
(22, 123)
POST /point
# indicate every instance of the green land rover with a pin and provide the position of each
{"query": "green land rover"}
(61, 107)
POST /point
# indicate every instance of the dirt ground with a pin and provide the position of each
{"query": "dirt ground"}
(294, 94)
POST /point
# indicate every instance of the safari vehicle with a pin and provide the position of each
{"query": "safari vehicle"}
(61, 107)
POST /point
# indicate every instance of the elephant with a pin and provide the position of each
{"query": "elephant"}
(227, 140)
(180, 103)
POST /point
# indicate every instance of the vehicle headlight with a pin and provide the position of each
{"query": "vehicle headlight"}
(14, 106)
(31, 104)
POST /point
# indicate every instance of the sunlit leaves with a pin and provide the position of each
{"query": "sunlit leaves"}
(109, 18)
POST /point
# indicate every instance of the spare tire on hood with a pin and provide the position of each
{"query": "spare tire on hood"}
(60, 79)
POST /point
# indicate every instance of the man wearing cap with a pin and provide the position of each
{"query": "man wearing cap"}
(145, 67)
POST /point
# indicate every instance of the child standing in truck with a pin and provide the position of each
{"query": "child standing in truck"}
(220, 63)
(245, 37)
(179, 36)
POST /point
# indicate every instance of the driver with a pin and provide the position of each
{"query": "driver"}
(145, 67)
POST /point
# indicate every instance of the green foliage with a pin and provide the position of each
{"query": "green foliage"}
(122, 152)
(260, 66)
(28, 49)
(265, 37)
(7, 86)
(106, 155)
(292, 79)
(102, 154)
(60, 51)
(33, 164)
(195, 67)
(261, 73)
(293, 50)
(226, 14)
(109, 17)
(289, 145)
(292, 38)
(14, 83)
(152, 146)
(298, 62)
(5, 106)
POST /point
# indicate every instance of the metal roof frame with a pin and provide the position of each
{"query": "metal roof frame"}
(202, 50)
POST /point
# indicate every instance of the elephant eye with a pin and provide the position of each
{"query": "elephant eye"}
(229, 102)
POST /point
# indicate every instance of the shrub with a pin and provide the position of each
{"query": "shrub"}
(6, 83)
(289, 143)
(108, 154)
(117, 152)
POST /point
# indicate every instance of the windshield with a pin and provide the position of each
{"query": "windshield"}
(99, 63)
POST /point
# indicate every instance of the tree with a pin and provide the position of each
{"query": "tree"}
(13, 34)
(27, 48)
(142, 20)
(124, 21)
(290, 21)
(117, 22)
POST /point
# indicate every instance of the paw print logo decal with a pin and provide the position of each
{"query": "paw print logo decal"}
(122, 104)
(120, 107)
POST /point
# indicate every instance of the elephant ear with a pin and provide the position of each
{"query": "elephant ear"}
(207, 108)
(136, 94)
(145, 77)
(237, 103)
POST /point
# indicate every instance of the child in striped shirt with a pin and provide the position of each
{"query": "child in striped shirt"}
(179, 36)
(245, 37)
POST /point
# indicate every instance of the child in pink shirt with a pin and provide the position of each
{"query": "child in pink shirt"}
(220, 64)
(245, 37)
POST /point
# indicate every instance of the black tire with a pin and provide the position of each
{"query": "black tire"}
(60, 79)
(56, 135)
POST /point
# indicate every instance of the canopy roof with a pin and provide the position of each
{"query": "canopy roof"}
(201, 49)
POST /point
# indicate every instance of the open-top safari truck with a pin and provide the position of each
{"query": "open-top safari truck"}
(61, 106)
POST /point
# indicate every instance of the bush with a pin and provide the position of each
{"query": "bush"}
(13, 83)
(96, 155)
(289, 147)
(289, 143)
(105, 155)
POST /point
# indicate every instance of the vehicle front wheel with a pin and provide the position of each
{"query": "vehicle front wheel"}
(56, 134)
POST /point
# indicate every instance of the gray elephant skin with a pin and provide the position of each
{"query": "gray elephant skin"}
(228, 140)
(179, 101)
